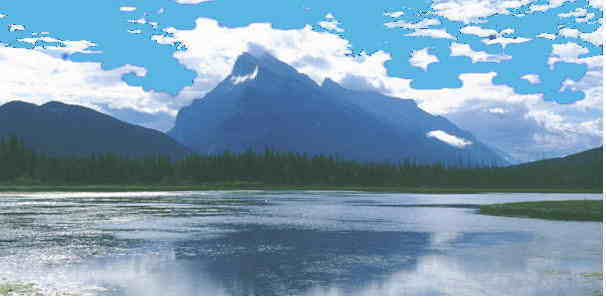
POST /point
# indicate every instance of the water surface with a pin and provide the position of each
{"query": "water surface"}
(291, 243)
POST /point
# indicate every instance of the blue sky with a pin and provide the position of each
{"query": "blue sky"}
(523, 75)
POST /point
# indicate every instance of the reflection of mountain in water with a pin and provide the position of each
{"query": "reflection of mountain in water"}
(273, 261)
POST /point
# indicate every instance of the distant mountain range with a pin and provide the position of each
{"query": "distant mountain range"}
(265, 103)
(59, 129)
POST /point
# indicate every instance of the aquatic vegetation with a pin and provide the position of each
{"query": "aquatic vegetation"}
(28, 289)
(568, 210)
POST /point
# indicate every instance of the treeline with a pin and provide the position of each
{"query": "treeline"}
(18, 164)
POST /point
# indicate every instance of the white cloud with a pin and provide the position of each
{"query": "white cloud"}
(423, 24)
(599, 4)
(478, 31)
(136, 31)
(2, 15)
(192, 1)
(579, 12)
(331, 23)
(472, 11)
(128, 8)
(138, 21)
(507, 31)
(567, 52)
(421, 58)
(64, 46)
(15, 27)
(449, 139)
(394, 14)
(569, 33)
(317, 54)
(458, 49)
(432, 33)
(43, 39)
(552, 4)
(541, 8)
(532, 78)
(504, 41)
(547, 36)
(595, 37)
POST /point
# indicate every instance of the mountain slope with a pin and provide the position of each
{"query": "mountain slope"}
(265, 103)
(59, 129)
(592, 157)
(580, 170)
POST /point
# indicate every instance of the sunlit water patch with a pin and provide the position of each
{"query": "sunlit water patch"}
(289, 243)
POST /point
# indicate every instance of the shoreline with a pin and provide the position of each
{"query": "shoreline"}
(7, 188)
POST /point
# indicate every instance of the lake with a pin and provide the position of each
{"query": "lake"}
(314, 243)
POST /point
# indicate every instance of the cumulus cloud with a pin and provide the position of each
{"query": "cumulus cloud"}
(459, 49)
(547, 36)
(422, 24)
(595, 37)
(532, 78)
(567, 52)
(128, 8)
(421, 58)
(599, 4)
(504, 41)
(317, 54)
(331, 23)
(581, 15)
(449, 139)
(478, 31)
(544, 7)
(432, 33)
(394, 14)
(569, 33)
(15, 27)
(473, 11)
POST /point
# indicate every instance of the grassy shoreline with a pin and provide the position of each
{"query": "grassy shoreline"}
(252, 186)
(567, 210)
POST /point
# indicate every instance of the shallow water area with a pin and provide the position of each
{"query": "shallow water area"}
(289, 243)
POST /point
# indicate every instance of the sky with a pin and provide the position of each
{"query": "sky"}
(524, 76)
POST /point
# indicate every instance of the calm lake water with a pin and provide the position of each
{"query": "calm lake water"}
(291, 243)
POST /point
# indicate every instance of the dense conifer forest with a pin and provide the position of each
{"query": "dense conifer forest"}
(18, 164)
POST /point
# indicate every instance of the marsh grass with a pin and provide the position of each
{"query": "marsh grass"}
(567, 210)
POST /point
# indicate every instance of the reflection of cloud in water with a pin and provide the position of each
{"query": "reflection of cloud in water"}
(444, 239)
(441, 275)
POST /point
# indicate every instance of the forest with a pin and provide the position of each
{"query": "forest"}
(19, 164)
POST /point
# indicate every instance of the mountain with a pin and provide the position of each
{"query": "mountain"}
(59, 129)
(592, 157)
(580, 170)
(265, 103)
